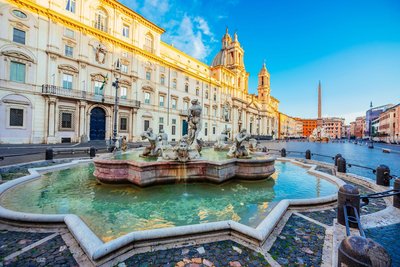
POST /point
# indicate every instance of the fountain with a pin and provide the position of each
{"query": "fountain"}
(319, 135)
(166, 164)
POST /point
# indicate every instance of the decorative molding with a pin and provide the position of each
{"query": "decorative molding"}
(17, 55)
(69, 68)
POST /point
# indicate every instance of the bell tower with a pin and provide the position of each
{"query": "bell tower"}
(263, 88)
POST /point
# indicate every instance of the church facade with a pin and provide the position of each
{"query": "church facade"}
(58, 61)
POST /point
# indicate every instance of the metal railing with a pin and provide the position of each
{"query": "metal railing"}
(48, 89)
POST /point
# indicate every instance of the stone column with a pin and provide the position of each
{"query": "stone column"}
(52, 120)
(133, 125)
(82, 134)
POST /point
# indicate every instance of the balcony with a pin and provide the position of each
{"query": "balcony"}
(52, 90)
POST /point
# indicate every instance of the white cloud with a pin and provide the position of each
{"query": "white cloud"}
(349, 117)
(203, 25)
(154, 10)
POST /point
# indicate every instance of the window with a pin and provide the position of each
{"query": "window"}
(215, 112)
(173, 121)
(124, 68)
(123, 92)
(205, 129)
(19, 36)
(16, 117)
(173, 130)
(101, 20)
(206, 110)
(186, 78)
(70, 6)
(186, 87)
(146, 124)
(174, 103)
(123, 124)
(161, 102)
(197, 92)
(162, 69)
(17, 72)
(148, 75)
(98, 90)
(148, 43)
(185, 105)
(66, 120)
(174, 84)
(161, 120)
(214, 130)
(125, 31)
(215, 97)
(162, 80)
(147, 98)
(69, 33)
(206, 95)
(19, 14)
(69, 51)
(67, 81)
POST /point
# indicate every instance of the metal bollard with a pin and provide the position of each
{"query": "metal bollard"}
(383, 175)
(283, 152)
(92, 152)
(308, 154)
(341, 165)
(396, 198)
(49, 154)
(336, 158)
(358, 251)
(348, 194)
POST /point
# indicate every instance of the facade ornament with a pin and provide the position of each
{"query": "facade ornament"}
(238, 150)
(154, 150)
(101, 54)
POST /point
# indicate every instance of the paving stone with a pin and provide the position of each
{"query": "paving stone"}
(297, 244)
(12, 241)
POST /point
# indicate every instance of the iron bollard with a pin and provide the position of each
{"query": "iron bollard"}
(348, 194)
(92, 152)
(283, 152)
(336, 158)
(383, 175)
(341, 165)
(308, 154)
(358, 251)
(396, 198)
(49, 154)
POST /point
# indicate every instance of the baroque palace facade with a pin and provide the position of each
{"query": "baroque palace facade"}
(56, 55)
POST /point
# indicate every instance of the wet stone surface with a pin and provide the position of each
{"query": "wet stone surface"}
(300, 243)
(388, 237)
(374, 205)
(324, 170)
(324, 216)
(11, 241)
(223, 253)
(53, 252)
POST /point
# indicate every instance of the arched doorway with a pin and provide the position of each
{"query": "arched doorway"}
(97, 124)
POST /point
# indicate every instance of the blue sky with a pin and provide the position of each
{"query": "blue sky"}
(353, 46)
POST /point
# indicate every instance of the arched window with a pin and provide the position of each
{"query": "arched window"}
(101, 19)
(186, 87)
(148, 43)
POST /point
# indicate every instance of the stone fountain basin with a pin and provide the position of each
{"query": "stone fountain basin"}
(163, 172)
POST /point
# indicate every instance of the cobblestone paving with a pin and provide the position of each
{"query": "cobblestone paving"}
(323, 216)
(53, 252)
(223, 253)
(11, 241)
(300, 243)
(374, 204)
(388, 237)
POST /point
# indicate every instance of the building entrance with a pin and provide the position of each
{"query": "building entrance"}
(98, 124)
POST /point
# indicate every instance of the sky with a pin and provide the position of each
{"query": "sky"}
(351, 46)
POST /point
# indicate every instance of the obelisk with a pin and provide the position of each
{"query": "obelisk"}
(319, 101)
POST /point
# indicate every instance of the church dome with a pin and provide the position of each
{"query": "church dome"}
(219, 59)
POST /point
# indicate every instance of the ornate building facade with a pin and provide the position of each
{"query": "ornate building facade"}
(57, 65)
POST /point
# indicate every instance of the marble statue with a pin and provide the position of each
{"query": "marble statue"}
(238, 150)
(194, 120)
(221, 142)
(154, 150)
(124, 144)
(163, 137)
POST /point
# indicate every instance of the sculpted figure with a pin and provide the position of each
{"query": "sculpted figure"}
(238, 150)
(194, 121)
(154, 149)
(221, 142)
(124, 144)
(163, 137)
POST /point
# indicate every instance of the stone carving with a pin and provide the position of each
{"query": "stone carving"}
(254, 145)
(163, 138)
(101, 53)
(226, 112)
(154, 150)
(238, 150)
(221, 142)
(124, 144)
(181, 152)
(194, 120)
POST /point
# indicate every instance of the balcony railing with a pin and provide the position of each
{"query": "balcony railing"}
(48, 89)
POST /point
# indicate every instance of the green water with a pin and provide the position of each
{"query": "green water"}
(114, 210)
(207, 153)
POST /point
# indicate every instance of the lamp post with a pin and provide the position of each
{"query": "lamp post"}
(116, 85)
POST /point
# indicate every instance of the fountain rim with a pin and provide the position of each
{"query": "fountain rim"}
(97, 249)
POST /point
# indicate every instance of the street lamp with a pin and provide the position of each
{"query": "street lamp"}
(116, 85)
